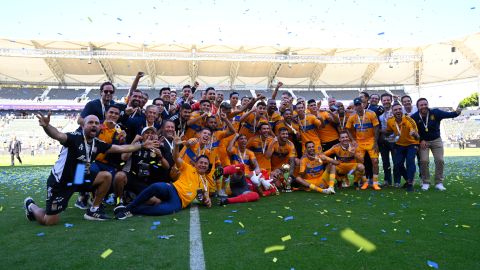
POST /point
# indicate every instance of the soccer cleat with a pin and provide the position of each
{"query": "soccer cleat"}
(345, 184)
(440, 187)
(409, 187)
(396, 185)
(332, 191)
(28, 214)
(425, 187)
(222, 200)
(121, 212)
(376, 187)
(81, 204)
(326, 191)
(98, 215)
(364, 186)
(355, 185)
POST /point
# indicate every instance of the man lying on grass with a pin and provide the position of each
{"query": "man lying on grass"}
(71, 172)
(170, 198)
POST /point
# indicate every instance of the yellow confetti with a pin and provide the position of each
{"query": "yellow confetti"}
(1, 208)
(106, 253)
(360, 249)
(466, 226)
(286, 238)
(274, 259)
(396, 221)
(348, 211)
(355, 239)
(286, 207)
(273, 212)
(274, 248)
(210, 233)
(250, 209)
(280, 217)
(241, 224)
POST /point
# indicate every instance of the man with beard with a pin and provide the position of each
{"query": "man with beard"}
(253, 118)
(79, 151)
(210, 95)
(317, 171)
(99, 107)
(282, 151)
(272, 114)
(259, 144)
(181, 118)
(345, 153)
(328, 134)
(293, 130)
(428, 123)
(385, 144)
(309, 126)
(187, 96)
(241, 155)
(406, 145)
(363, 127)
(174, 197)
(198, 119)
(133, 117)
(169, 109)
(341, 117)
(234, 100)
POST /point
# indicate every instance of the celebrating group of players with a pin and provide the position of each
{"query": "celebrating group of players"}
(156, 159)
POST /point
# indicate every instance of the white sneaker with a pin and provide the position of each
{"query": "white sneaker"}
(332, 191)
(425, 187)
(327, 191)
(440, 187)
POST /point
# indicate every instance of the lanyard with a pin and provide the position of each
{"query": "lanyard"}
(291, 127)
(199, 151)
(103, 108)
(398, 127)
(425, 123)
(342, 125)
(88, 154)
(169, 144)
(146, 124)
(204, 183)
(242, 155)
(361, 122)
(264, 145)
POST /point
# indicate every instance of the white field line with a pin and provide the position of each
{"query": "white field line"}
(197, 259)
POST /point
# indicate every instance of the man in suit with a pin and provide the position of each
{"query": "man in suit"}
(14, 148)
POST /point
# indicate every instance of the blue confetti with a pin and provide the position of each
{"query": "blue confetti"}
(326, 225)
(153, 227)
(156, 223)
(228, 221)
(381, 34)
(165, 236)
(240, 232)
(234, 211)
(315, 233)
(68, 225)
(288, 218)
(41, 234)
(383, 231)
(407, 231)
(323, 239)
(432, 264)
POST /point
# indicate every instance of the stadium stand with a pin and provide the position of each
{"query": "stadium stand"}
(20, 93)
(343, 94)
(57, 93)
(399, 93)
(309, 94)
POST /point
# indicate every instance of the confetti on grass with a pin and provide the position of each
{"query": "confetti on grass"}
(274, 248)
(241, 224)
(228, 221)
(41, 234)
(165, 236)
(357, 240)
(286, 238)
(432, 264)
(106, 253)
(68, 225)
(156, 223)
(288, 218)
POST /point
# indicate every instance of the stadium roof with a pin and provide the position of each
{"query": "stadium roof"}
(91, 63)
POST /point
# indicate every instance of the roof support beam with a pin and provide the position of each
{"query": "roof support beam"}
(318, 70)
(418, 70)
(272, 73)
(53, 65)
(152, 71)
(193, 71)
(373, 67)
(107, 69)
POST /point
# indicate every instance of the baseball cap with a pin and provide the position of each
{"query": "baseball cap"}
(147, 128)
(357, 101)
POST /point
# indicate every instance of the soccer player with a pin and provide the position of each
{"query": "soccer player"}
(173, 197)
(309, 126)
(406, 145)
(345, 153)
(253, 118)
(241, 192)
(259, 145)
(181, 118)
(317, 171)
(282, 151)
(198, 119)
(241, 155)
(363, 126)
(428, 123)
(78, 148)
(272, 114)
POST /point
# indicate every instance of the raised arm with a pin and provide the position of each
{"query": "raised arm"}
(231, 129)
(51, 131)
(232, 143)
(275, 92)
(177, 141)
(128, 148)
(140, 74)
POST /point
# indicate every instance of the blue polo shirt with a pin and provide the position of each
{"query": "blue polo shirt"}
(435, 116)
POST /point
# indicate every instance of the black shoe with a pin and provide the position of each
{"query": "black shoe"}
(81, 204)
(222, 200)
(121, 212)
(98, 215)
(355, 185)
(405, 185)
(28, 213)
(409, 187)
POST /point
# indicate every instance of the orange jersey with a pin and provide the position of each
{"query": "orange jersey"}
(293, 129)
(343, 155)
(311, 170)
(309, 130)
(364, 126)
(259, 147)
(282, 154)
(188, 183)
(328, 133)
(342, 121)
(403, 130)
(192, 129)
(274, 118)
(250, 124)
(106, 135)
(190, 154)
(247, 158)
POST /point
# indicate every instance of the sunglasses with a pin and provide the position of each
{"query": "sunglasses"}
(108, 92)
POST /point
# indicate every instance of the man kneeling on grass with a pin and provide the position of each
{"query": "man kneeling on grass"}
(171, 198)
(72, 170)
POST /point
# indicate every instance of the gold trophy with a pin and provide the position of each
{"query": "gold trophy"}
(286, 178)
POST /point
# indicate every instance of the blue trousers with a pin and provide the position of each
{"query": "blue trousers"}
(170, 204)
(402, 155)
